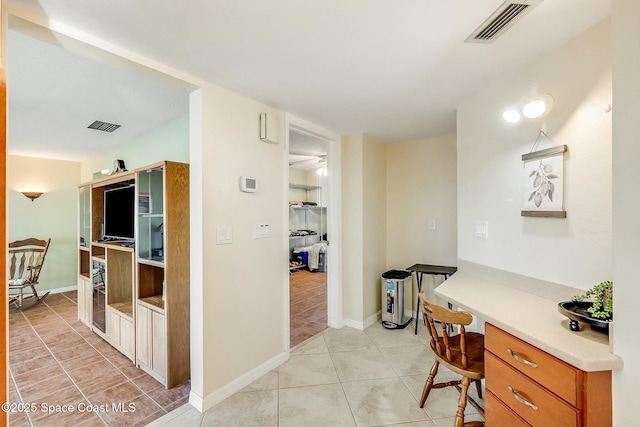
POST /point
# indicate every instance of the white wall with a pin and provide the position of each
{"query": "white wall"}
(374, 239)
(364, 178)
(421, 186)
(626, 205)
(54, 215)
(244, 299)
(352, 230)
(169, 141)
(576, 251)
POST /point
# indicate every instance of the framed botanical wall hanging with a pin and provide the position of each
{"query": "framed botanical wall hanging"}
(544, 183)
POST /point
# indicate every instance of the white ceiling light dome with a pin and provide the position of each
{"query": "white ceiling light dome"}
(531, 107)
(534, 109)
(511, 116)
(537, 106)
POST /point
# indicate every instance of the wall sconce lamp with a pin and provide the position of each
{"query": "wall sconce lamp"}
(32, 195)
(533, 107)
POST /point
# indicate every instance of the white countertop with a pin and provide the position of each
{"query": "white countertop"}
(531, 318)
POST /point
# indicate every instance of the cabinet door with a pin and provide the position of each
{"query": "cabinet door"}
(126, 337)
(88, 302)
(143, 328)
(159, 348)
(112, 326)
(81, 301)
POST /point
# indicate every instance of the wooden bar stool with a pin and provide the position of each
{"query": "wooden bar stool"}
(462, 353)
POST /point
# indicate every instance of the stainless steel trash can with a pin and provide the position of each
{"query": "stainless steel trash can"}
(393, 288)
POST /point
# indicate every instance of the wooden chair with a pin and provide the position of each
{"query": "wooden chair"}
(26, 258)
(462, 353)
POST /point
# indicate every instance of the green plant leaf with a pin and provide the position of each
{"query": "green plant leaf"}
(600, 309)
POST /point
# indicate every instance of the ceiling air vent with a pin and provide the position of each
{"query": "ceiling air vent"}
(501, 20)
(103, 126)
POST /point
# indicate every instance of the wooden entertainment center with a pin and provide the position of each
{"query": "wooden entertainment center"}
(134, 291)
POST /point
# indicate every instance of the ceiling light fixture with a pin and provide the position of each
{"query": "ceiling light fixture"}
(322, 168)
(511, 116)
(533, 107)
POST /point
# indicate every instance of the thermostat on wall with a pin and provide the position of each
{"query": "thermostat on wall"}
(248, 184)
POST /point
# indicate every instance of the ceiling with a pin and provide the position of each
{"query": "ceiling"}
(306, 152)
(55, 94)
(395, 70)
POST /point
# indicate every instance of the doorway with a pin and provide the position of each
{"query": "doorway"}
(313, 224)
(308, 230)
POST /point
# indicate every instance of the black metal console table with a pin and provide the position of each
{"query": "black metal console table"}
(435, 270)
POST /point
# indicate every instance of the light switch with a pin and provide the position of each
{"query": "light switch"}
(261, 231)
(431, 224)
(482, 229)
(224, 235)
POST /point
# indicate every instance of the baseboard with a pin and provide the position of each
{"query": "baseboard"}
(238, 384)
(372, 319)
(361, 326)
(196, 401)
(60, 290)
(353, 324)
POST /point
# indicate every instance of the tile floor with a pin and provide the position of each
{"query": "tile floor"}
(343, 377)
(308, 302)
(56, 360)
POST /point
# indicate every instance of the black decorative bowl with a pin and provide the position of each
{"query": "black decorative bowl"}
(576, 311)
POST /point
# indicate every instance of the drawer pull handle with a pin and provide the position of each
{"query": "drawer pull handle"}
(521, 360)
(521, 400)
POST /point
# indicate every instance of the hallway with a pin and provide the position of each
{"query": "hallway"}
(308, 304)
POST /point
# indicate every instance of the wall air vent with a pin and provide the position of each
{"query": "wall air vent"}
(103, 126)
(501, 20)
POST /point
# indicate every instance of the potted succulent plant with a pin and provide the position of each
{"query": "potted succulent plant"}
(601, 297)
(594, 307)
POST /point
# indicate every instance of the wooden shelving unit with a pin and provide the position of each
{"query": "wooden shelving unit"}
(163, 273)
(145, 314)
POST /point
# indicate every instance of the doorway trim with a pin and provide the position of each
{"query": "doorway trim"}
(334, 222)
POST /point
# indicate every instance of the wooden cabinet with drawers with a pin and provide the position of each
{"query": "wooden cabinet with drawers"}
(528, 387)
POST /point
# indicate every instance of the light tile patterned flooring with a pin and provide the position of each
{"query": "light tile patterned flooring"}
(343, 377)
(308, 305)
(56, 360)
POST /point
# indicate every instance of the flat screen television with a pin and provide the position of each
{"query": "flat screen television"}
(118, 213)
